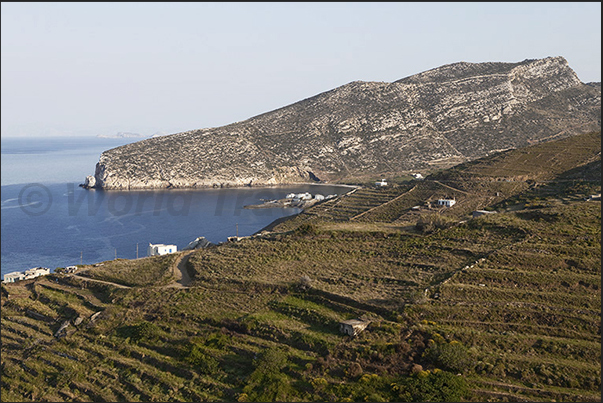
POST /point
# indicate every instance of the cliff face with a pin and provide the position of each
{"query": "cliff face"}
(447, 115)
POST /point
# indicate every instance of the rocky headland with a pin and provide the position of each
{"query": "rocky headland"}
(438, 118)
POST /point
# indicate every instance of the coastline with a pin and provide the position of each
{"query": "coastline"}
(281, 220)
(208, 187)
(276, 222)
(85, 221)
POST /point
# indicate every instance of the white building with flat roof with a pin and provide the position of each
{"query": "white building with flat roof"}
(304, 196)
(14, 277)
(160, 249)
(26, 275)
(446, 202)
(36, 272)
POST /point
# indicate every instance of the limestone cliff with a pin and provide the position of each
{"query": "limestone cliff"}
(446, 115)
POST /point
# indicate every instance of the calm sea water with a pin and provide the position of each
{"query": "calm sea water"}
(48, 220)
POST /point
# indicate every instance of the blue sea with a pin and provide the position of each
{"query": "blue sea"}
(49, 221)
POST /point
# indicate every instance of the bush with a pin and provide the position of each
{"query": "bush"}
(144, 331)
(217, 340)
(436, 386)
(267, 382)
(270, 388)
(354, 370)
(306, 229)
(453, 356)
(271, 361)
(196, 355)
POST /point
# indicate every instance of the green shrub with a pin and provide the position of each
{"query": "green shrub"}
(196, 355)
(217, 340)
(144, 331)
(267, 382)
(270, 388)
(453, 356)
(306, 229)
(436, 386)
(271, 361)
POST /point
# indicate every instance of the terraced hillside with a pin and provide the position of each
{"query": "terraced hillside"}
(570, 165)
(363, 200)
(504, 307)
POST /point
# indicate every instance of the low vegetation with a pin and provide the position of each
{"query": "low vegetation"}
(148, 271)
(502, 307)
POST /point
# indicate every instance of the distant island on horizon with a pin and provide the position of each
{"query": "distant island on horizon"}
(121, 135)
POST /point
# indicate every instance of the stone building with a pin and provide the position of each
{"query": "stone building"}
(353, 327)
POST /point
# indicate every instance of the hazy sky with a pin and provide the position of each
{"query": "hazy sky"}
(102, 68)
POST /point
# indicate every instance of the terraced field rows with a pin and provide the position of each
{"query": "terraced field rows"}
(531, 314)
(83, 364)
(360, 201)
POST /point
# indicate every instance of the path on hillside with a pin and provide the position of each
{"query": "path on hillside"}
(179, 269)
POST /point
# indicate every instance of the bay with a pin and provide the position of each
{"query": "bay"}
(48, 220)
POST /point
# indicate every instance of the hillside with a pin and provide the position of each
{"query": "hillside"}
(504, 307)
(431, 120)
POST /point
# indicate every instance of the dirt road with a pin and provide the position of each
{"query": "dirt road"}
(179, 269)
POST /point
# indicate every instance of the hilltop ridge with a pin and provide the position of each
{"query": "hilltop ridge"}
(437, 118)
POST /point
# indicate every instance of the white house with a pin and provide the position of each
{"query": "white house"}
(319, 197)
(36, 272)
(290, 196)
(303, 196)
(446, 202)
(382, 183)
(26, 275)
(160, 249)
(417, 176)
(14, 276)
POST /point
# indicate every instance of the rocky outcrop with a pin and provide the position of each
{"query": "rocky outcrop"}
(444, 116)
(90, 182)
(198, 243)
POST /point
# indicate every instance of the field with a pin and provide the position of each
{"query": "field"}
(503, 307)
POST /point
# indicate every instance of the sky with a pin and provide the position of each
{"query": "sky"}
(101, 68)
